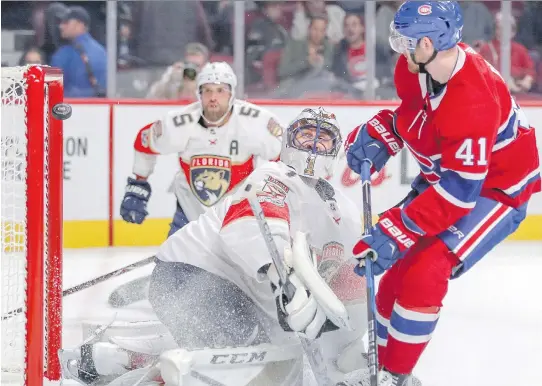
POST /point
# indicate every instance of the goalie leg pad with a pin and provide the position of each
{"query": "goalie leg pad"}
(123, 329)
(263, 364)
(107, 358)
(184, 296)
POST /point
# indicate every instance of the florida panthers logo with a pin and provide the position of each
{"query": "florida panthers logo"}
(210, 178)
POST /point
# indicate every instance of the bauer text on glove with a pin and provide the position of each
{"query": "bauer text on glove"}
(389, 240)
(374, 141)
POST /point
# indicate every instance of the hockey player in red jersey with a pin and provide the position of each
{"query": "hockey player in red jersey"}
(479, 167)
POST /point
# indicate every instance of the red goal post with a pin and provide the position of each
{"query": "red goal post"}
(31, 198)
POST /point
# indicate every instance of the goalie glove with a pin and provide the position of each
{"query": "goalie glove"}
(314, 308)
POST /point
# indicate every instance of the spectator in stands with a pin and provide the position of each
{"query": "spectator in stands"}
(349, 61)
(522, 66)
(530, 26)
(83, 61)
(530, 35)
(52, 39)
(307, 59)
(125, 44)
(179, 80)
(350, 6)
(220, 17)
(164, 28)
(32, 55)
(264, 34)
(384, 16)
(306, 10)
(478, 23)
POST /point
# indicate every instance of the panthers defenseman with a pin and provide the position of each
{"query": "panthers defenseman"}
(218, 139)
(216, 290)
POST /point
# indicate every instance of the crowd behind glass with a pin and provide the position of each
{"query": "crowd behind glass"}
(292, 49)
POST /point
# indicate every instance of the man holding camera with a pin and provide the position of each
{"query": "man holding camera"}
(179, 80)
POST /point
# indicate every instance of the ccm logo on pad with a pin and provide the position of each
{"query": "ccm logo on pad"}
(396, 233)
(386, 135)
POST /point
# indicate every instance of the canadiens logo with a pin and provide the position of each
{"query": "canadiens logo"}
(210, 177)
(425, 9)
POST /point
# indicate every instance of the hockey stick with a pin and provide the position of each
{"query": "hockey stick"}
(91, 283)
(310, 348)
(369, 275)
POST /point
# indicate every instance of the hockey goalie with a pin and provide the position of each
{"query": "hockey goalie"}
(223, 314)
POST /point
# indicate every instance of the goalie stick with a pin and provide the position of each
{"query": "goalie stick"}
(310, 348)
(90, 283)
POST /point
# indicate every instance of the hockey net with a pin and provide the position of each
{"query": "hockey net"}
(31, 223)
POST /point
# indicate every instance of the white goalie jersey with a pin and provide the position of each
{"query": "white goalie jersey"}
(214, 161)
(227, 242)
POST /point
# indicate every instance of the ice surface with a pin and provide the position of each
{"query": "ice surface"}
(490, 332)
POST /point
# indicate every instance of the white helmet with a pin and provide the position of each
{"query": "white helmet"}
(304, 155)
(217, 72)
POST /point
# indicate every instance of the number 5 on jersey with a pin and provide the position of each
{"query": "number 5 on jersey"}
(466, 152)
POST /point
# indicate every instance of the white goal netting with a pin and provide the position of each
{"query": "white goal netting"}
(14, 197)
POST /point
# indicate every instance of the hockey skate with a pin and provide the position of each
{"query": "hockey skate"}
(385, 378)
(73, 361)
(103, 359)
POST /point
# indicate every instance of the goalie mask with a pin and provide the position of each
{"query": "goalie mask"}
(311, 143)
(217, 73)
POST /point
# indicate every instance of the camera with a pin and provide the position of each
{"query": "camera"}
(190, 71)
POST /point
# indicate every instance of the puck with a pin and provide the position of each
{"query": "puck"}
(62, 111)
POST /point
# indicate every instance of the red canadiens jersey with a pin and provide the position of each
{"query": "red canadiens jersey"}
(470, 139)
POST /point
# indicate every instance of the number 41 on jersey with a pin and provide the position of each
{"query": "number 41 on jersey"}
(466, 152)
